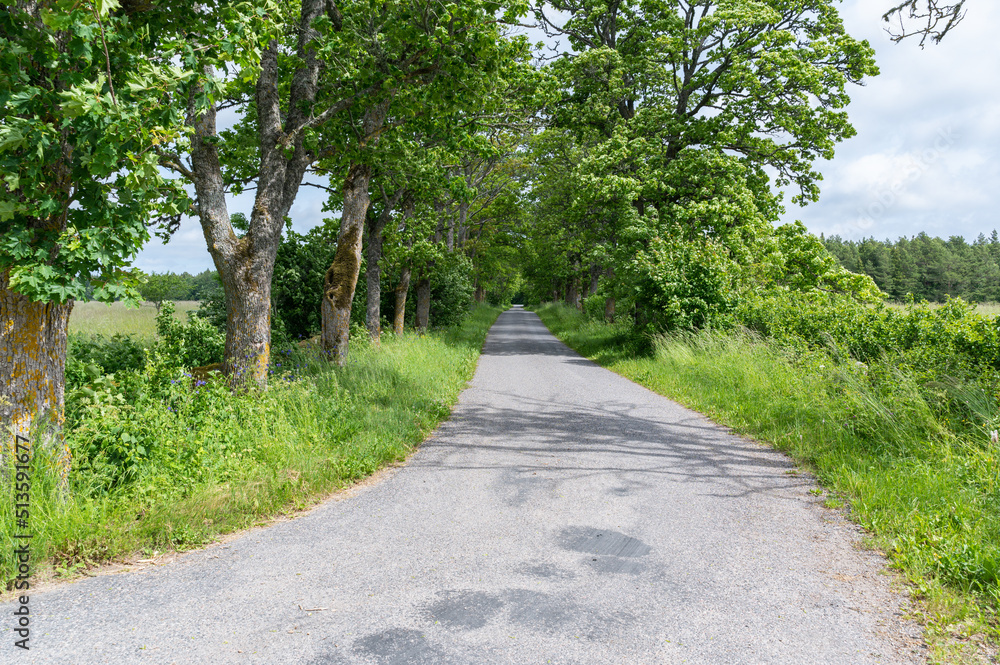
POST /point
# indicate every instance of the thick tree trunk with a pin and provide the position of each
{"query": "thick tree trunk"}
(480, 293)
(32, 374)
(342, 276)
(247, 284)
(246, 264)
(402, 289)
(423, 304)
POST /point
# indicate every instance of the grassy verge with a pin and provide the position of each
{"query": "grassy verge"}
(929, 499)
(176, 468)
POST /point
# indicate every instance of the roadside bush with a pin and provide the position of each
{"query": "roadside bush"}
(300, 267)
(297, 288)
(110, 355)
(451, 290)
(192, 344)
(682, 285)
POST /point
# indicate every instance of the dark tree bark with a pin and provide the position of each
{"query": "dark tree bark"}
(450, 238)
(573, 293)
(609, 309)
(595, 274)
(609, 302)
(402, 289)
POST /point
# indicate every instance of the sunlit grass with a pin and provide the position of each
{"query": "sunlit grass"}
(95, 318)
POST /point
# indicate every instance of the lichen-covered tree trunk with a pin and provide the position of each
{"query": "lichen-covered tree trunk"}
(32, 374)
(247, 284)
(423, 313)
(342, 276)
(402, 289)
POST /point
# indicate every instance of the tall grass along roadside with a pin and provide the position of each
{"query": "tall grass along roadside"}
(166, 460)
(907, 447)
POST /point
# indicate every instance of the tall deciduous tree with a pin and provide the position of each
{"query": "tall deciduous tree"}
(80, 113)
(271, 62)
(691, 111)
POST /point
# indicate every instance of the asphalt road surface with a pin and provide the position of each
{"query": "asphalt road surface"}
(563, 515)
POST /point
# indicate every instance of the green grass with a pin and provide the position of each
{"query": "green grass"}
(212, 462)
(95, 318)
(929, 500)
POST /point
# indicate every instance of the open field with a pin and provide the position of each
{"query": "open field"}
(95, 318)
(984, 308)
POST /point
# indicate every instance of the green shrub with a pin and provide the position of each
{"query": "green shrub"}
(297, 287)
(115, 354)
(451, 290)
(192, 344)
(300, 267)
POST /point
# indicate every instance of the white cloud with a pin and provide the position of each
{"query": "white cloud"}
(925, 157)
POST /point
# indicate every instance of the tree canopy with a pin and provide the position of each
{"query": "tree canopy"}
(637, 171)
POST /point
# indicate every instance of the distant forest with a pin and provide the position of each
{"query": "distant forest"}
(929, 268)
(185, 286)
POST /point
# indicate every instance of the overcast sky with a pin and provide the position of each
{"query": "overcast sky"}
(926, 156)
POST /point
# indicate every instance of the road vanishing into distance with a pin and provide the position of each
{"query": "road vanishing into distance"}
(563, 515)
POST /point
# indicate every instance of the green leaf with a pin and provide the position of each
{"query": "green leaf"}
(7, 210)
(11, 138)
(105, 7)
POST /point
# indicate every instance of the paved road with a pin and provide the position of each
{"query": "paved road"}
(564, 515)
